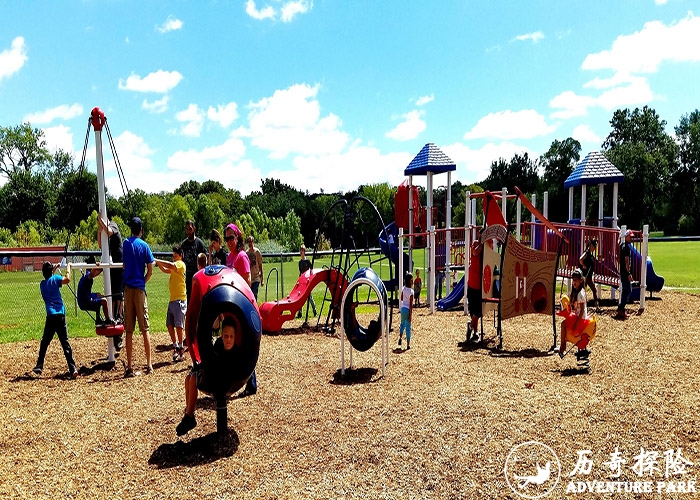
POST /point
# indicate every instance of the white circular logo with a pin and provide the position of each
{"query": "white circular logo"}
(532, 469)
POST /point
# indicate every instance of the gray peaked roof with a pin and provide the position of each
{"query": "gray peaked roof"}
(430, 159)
(595, 168)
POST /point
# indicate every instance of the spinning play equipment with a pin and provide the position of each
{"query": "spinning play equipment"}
(217, 291)
(362, 338)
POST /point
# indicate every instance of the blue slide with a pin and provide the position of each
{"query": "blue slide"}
(454, 298)
(654, 282)
(391, 250)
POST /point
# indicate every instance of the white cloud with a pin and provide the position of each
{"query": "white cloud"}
(290, 9)
(224, 162)
(59, 137)
(633, 94)
(644, 51)
(534, 37)
(223, 115)
(660, 2)
(423, 100)
(290, 122)
(193, 119)
(477, 162)
(159, 82)
(571, 105)
(508, 125)
(355, 166)
(170, 24)
(266, 12)
(137, 165)
(410, 128)
(12, 59)
(584, 134)
(62, 112)
(287, 12)
(157, 107)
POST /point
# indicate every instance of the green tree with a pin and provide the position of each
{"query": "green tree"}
(558, 163)
(27, 234)
(646, 155)
(177, 212)
(191, 187)
(208, 215)
(154, 217)
(76, 199)
(6, 238)
(22, 148)
(382, 195)
(684, 206)
(26, 196)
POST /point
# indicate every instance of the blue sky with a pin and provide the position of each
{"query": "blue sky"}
(327, 95)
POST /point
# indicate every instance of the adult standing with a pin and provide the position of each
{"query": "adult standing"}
(238, 259)
(116, 274)
(256, 266)
(138, 268)
(192, 246)
(625, 275)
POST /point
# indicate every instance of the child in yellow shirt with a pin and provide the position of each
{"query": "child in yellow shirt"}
(177, 307)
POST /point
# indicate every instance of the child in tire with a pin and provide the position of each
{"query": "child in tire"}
(199, 377)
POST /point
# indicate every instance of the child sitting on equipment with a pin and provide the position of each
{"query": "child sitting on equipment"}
(199, 375)
(89, 301)
(575, 319)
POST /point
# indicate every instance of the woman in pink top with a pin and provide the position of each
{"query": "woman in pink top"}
(237, 258)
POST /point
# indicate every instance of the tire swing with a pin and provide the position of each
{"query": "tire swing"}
(219, 291)
(360, 337)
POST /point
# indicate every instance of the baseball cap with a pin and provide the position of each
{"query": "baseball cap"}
(135, 224)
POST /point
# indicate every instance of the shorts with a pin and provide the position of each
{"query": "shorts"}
(176, 313)
(135, 307)
(474, 301)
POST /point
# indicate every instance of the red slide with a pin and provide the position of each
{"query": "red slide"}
(274, 314)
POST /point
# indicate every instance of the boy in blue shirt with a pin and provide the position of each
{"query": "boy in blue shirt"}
(55, 317)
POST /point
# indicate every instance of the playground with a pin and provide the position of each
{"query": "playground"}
(439, 425)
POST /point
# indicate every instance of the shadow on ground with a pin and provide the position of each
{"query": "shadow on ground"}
(199, 451)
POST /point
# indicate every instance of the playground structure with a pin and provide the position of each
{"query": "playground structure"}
(538, 240)
(344, 226)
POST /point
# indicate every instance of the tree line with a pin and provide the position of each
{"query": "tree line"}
(47, 199)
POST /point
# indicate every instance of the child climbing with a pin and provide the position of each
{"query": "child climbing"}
(406, 309)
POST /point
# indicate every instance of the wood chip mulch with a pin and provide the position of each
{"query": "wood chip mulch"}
(440, 424)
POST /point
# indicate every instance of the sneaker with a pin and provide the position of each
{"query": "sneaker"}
(110, 322)
(181, 353)
(582, 354)
(408, 346)
(37, 370)
(149, 370)
(399, 340)
(129, 373)
(74, 375)
(186, 425)
(176, 355)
